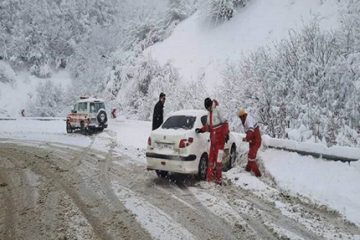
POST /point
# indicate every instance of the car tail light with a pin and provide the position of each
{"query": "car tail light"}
(185, 142)
(149, 141)
(182, 143)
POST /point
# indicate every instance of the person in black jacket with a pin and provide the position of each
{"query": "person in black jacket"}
(158, 116)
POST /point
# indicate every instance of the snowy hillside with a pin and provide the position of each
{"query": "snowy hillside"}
(306, 77)
(198, 50)
(22, 92)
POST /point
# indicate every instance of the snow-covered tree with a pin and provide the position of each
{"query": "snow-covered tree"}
(7, 74)
(180, 9)
(49, 101)
(41, 34)
(310, 79)
(223, 10)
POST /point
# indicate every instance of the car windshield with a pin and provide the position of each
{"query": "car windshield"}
(176, 122)
(95, 106)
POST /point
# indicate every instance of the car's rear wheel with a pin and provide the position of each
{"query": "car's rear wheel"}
(233, 156)
(161, 173)
(203, 167)
(68, 127)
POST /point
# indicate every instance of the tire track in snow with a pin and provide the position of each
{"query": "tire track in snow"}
(43, 167)
(91, 203)
(7, 207)
(214, 224)
(135, 179)
(23, 201)
(159, 224)
(245, 223)
(290, 214)
(170, 199)
(104, 166)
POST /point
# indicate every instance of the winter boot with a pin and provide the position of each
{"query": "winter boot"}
(211, 172)
(254, 168)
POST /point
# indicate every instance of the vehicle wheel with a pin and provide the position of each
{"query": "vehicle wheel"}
(203, 167)
(90, 131)
(161, 174)
(233, 156)
(68, 128)
(83, 130)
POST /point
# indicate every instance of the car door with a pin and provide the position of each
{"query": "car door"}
(203, 139)
(74, 116)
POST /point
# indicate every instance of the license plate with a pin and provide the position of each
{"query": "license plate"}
(165, 146)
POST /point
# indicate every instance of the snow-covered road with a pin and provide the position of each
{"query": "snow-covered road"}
(56, 185)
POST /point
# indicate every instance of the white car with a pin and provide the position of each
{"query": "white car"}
(176, 147)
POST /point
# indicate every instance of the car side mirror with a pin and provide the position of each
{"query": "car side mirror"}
(73, 111)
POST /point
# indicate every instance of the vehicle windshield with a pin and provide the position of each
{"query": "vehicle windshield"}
(176, 122)
(95, 106)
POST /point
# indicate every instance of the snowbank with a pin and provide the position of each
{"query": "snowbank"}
(330, 183)
(336, 152)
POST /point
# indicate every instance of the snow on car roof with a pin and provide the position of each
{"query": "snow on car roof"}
(91, 99)
(189, 112)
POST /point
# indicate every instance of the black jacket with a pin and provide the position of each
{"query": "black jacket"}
(158, 117)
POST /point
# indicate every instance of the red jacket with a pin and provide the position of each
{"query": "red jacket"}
(252, 130)
(216, 125)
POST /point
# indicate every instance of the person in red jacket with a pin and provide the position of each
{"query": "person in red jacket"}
(253, 137)
(219, 132)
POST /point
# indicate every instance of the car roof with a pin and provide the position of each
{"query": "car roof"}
(90, 99)
(189, 112)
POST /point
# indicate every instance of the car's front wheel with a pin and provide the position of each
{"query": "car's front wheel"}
(83, 129)
(203, 167)
(68, 127)
(161, 173)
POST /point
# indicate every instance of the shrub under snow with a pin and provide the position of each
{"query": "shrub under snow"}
(49, 100)
(310, 79)
(222, 10)
(140, 82)
(7, 74)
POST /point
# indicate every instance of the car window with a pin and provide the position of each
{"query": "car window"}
(83, 107)
(75, 107)
(176, 122)
(204, 119)
(96, 106)
(92, 107)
